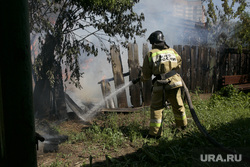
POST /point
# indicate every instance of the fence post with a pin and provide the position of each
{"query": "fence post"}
(186, 65)
(133, 64)
(199, 69)
(178, 49)
(118, 75)
(106, 90)
(148, 84)
(213, 70)
(243, 63)
(193, 66)
(205, 69)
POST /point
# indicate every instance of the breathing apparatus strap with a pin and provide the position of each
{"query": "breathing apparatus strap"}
(168, 75)
(162, 77)
(162, 80)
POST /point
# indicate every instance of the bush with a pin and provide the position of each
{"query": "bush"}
(228, 91)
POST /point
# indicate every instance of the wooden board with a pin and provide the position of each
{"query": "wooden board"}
(213, 70)
(123, 110)
(148, 84)
(243, 86)
(235, 79)
(106, 90)
(133, 64)
(193, 67)
(118, 75)
(205, 68)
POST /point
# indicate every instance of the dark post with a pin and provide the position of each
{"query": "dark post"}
(213, 69)
(198, 72)
(193, 67)
(243, 63)
(205, 70)
(16, 86)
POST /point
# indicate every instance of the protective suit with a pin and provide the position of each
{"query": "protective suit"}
(162, 62)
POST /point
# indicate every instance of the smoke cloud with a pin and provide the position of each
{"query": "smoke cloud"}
(164, 15)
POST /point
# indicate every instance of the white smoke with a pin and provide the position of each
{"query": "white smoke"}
(159, 15)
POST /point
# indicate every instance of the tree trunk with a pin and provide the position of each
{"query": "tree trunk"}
(49, 101)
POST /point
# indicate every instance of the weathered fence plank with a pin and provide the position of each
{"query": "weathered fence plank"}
(242, 58)
(198, 72)
(148, 84)
(178, 49)
(188, 67)
(133, 64)
(209, 71)
(185, 65)
(106, 90)
(205, 69)
(213, 79)
(193, 70)
(202, 68)
(118, 75)
(238, 64)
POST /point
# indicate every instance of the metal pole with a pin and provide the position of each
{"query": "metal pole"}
(16, 85)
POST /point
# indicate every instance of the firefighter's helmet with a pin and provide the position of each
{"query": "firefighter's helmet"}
(156, 37)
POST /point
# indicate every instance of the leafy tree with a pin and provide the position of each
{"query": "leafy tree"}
(242, 33)
(64, 28)
(222, 22)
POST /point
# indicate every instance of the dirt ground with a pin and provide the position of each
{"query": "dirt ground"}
(78, 154)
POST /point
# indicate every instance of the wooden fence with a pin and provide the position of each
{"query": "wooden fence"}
(202, 68)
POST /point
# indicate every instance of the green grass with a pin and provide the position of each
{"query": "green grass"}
(226, 116)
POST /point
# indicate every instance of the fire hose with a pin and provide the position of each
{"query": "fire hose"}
(200, 127)
(203, 130)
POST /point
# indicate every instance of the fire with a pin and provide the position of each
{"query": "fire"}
(87, 62)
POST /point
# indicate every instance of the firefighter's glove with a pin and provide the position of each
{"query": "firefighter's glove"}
(134, 81)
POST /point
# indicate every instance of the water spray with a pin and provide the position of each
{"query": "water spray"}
(96, 108)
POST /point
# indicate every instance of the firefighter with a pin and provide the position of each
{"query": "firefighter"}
(163, 62)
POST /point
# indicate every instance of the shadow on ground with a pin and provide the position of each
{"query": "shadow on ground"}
(191, 149)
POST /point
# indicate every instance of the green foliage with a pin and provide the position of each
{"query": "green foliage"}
(228, 91)
(224, 30)
(70, 24)
(225, 115)
(242, 32)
